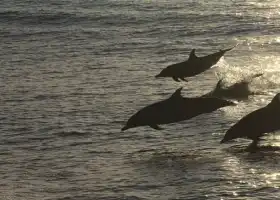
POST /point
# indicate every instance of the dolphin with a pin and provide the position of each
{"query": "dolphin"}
(238, 91)
(254, 125)
(193, 66)
(174, 109)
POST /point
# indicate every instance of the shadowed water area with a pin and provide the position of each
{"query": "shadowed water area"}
(72, 73)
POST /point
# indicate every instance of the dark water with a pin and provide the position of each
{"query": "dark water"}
(72, 72)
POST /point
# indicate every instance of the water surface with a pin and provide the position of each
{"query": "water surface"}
(72, 72)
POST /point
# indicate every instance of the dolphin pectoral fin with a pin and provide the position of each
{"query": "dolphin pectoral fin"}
(175, 79)
(183, 79)
(253, 146)
(155, 126)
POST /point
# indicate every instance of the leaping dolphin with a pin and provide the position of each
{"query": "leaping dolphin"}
(238, 91)
(193, 66)
(174, 109)
(254, 125)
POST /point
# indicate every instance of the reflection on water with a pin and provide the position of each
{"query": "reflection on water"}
(73, 71)
(241, 165)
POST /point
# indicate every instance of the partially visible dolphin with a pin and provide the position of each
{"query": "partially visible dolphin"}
(193, 66)
(174, 109)
(254, 125)
(238, 91)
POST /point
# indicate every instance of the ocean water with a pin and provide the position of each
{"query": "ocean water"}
(73, 71)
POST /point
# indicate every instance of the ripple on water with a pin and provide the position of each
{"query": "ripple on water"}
(73, 71)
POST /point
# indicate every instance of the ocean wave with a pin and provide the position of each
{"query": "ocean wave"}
(158, 22)
(35, 18)
(70, 133)
(64, 17)
(47, 96)
(16, 34)
(117, 197)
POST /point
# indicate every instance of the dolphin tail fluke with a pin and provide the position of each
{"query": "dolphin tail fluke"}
(228, 49)
(251, 78)
(257, 75)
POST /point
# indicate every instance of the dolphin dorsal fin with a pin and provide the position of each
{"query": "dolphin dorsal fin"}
(177, 93)
(192, 54)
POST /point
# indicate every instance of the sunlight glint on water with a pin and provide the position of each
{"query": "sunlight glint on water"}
(73, 71)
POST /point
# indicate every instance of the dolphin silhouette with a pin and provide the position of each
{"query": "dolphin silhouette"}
(193, 66)
(174, 109)
(254, 125)
(238, 91)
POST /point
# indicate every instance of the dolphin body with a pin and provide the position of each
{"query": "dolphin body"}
(238, 91)
(174, 109)
(193, 66)
(257, 123)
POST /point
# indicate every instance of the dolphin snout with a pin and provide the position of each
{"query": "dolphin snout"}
(222, 141)
(124, 128)
(157, 76)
